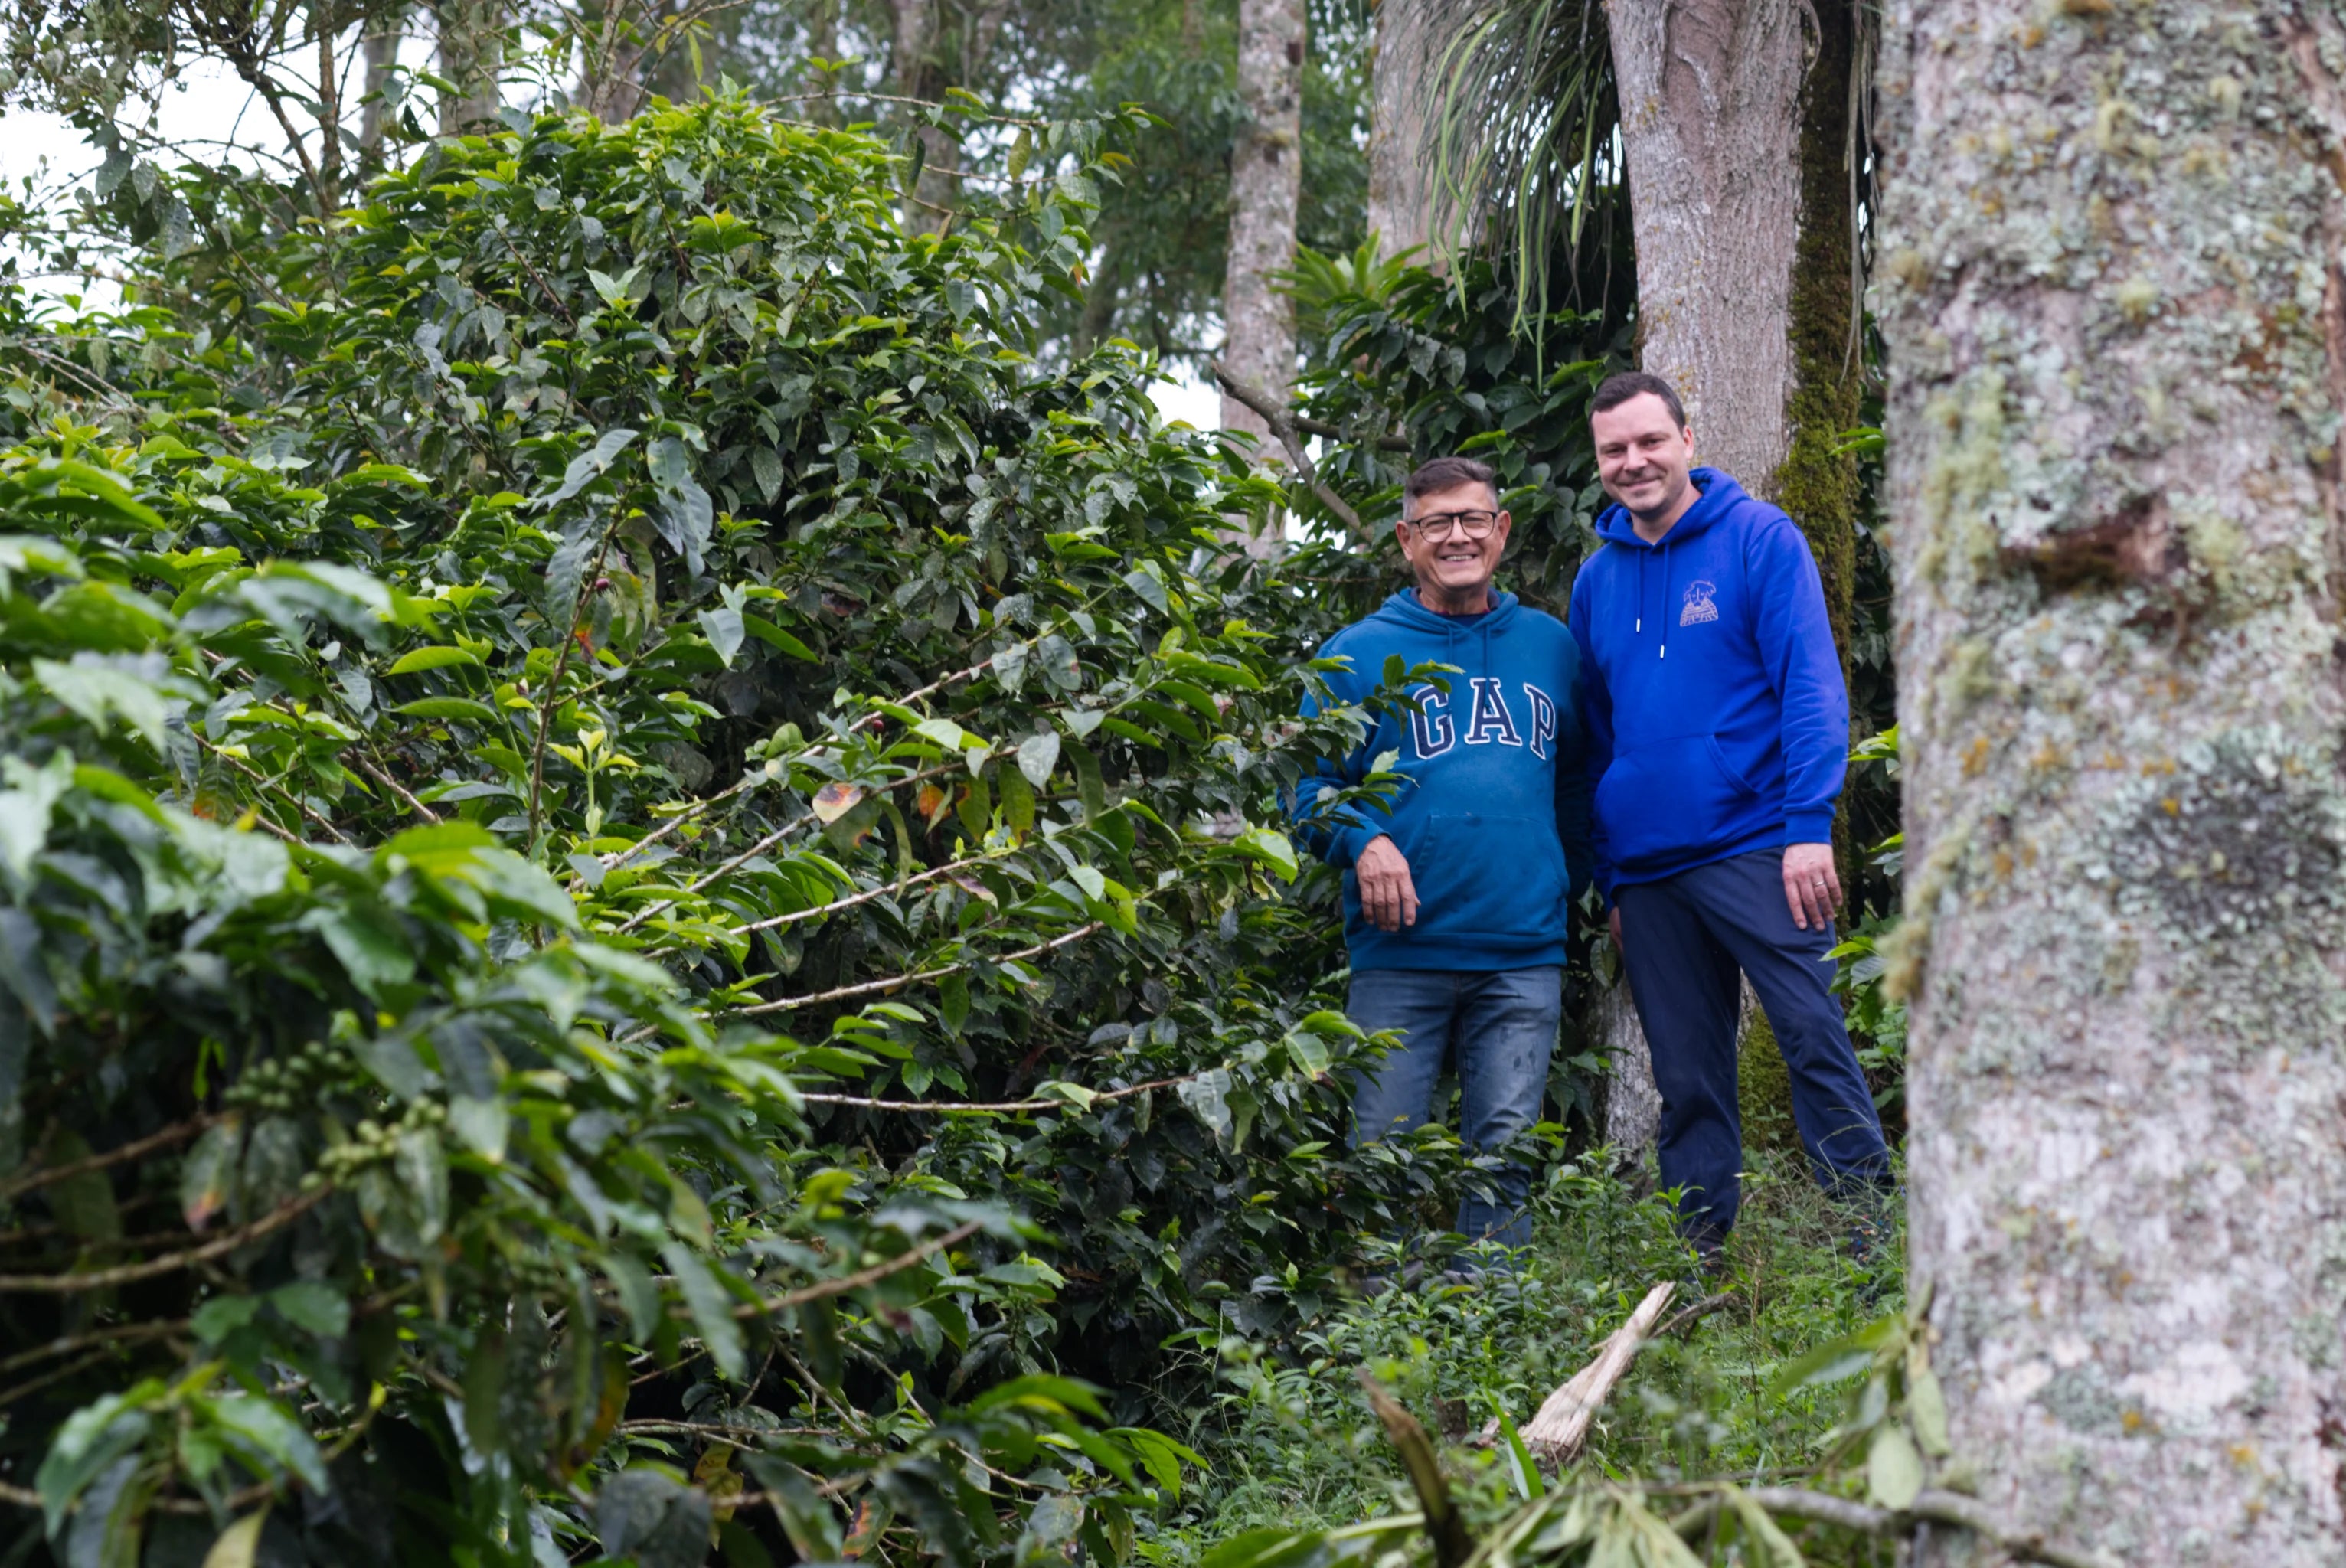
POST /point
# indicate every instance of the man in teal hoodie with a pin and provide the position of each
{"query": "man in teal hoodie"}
(1458, 888)
(1718, 730)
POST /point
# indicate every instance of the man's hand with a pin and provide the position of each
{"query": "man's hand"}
(1387, 895)
(1811, 885)
(1613, 919)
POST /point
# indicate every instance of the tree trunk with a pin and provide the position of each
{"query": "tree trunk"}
(1266, 187)
(1817, 484)
(823, 44)
(379, 49)
(923, 70)
(1711, 93)
(919, 72)
(2119, 338)
(1633, 1102)
(472, 54)
(610, 86)
(1400, 75)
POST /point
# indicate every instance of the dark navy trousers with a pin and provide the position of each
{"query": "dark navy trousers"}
(1685, 940)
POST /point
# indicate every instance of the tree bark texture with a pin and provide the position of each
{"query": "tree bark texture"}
(1266, 187)
(918, 66)
(823, 44)
(379, 49)
(613, 89)
(925, 65)
(472, 55)
(1710, 94)
(1633, 1102)
(1817, 484)
(2108, 277)
(1400, 81)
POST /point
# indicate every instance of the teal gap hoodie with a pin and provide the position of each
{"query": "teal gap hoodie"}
(1492, 813)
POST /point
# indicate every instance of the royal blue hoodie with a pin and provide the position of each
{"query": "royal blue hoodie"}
(1717, 721)
(1492, 810)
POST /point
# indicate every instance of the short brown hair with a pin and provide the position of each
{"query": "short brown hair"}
(1448, 473)
(1615, 391)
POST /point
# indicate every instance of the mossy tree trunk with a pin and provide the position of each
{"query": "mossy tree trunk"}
(1817, 484)
(2118, 351)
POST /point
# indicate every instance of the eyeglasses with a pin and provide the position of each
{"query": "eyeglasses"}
(1471, 525)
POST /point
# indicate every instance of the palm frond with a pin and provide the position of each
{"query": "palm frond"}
(1524, 154)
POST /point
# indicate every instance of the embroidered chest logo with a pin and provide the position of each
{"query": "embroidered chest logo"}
(1700, 604)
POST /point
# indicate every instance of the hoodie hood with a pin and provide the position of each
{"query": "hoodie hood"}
(1404, 609)
(1717, 496)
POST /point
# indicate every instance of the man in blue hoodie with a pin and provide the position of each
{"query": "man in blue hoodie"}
(1718, 730)
(1457, 889)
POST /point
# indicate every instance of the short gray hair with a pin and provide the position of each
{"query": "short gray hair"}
(1447, 474)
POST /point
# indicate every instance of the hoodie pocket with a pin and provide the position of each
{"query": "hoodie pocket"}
(1671, 799)
(1480, 875)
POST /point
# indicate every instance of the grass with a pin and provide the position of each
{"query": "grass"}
(1290, 1440)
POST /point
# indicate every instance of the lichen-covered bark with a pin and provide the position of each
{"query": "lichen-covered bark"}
(1266, 187)
(2111, 231)
(1710, 93)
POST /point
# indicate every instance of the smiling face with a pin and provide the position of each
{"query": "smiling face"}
(1454, 572)
(1643, 456)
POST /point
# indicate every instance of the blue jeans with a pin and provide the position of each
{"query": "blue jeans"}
(1684, 939)
(1501, 1028)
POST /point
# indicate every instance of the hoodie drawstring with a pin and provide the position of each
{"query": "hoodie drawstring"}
(1665, 599)
(1640, 628)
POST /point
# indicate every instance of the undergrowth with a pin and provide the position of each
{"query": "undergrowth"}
(1289, 1441)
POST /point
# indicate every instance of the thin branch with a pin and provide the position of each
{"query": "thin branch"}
(2029, 1545)
(382, 777)
(1282, 425)
(1701, 1309)
(170, 1263)
(53, 1376)
(974, 112)
(866, 896)
(178, 1133)
(824, 1289)
(129, 1331)
(776, 837)
(898, 982)
(553, 680)
(966, 1108)
(620, 857)
(724, 870)
(255, 775)
(552, 298)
